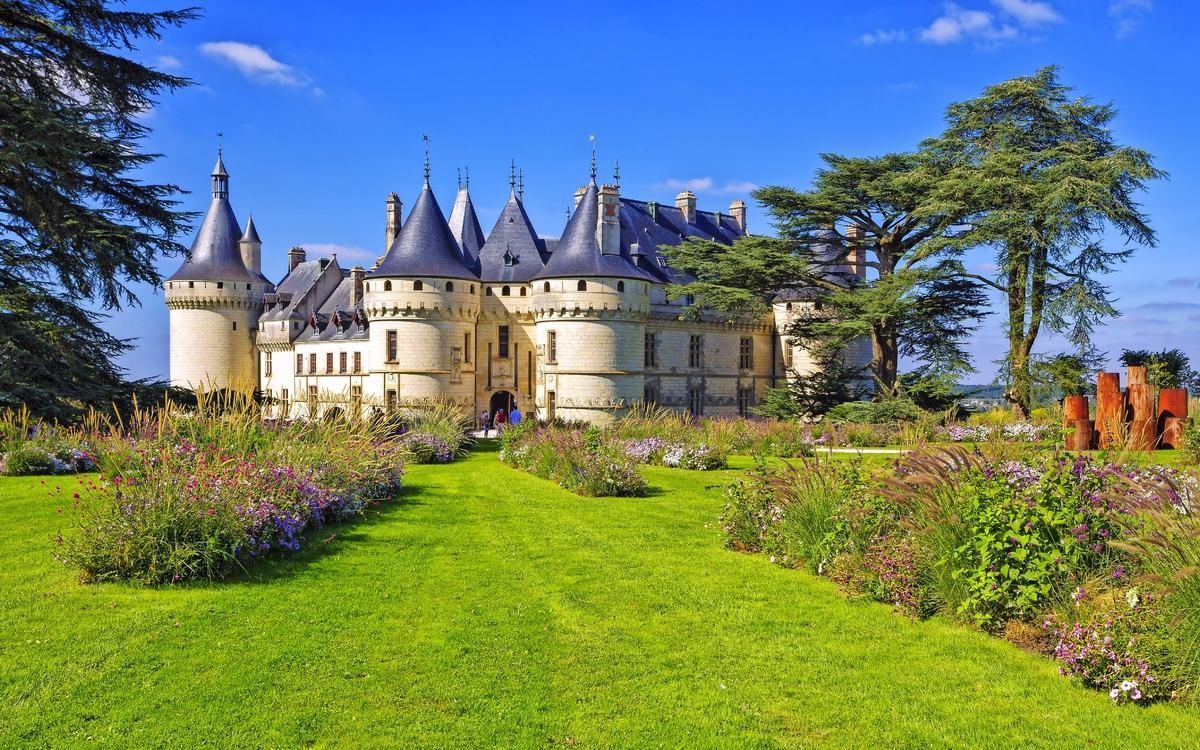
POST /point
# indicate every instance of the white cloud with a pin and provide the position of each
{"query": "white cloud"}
(168, 62)
(1029, 13)
(705, 185)
(882, 37)
(255, 63)
(957, 24)
(1128, 14)
(346, 254)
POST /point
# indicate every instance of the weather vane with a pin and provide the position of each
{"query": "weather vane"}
(521, 185)
(592, 138)
(220, 135)
(425, 137)
(617, 173)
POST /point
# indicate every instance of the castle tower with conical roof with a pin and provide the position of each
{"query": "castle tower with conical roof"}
(215, 300)
(422, 301)
(591, 302)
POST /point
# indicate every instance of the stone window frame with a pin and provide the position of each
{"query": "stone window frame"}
(392, 343)
(696, 351)
(552, 347)
(746, 353)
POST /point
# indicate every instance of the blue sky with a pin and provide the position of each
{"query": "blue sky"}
(323, 106)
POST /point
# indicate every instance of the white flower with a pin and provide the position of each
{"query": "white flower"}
(1115, 694)
(1127, 686)
(1131, 597)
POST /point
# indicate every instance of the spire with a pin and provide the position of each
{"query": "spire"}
(512, 251)
(579, 252)
(521, 185)
(426, 138)
(216, 253)
(467, 182)
(592, 138)
(464, 225)
(512, 176)
(459, 171)
(220, 178)
(251, 234)
(425, 247)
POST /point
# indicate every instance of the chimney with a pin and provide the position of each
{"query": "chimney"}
(737, 210)
(686, 202)
(652, 207)
(393, 221)
(856, 259)
(608, 234)
(296, 256)
(579, 195)
(357, 275)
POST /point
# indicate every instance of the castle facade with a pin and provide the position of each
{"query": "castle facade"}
(577, 327)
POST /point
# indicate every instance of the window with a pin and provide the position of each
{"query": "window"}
(651, 346)
(391, 400)
(696, 401)
(546, 287)
(358, 362)
(221, 285)
(552, 346)
(312, 364)
(689, 299)
(284, 405)
(529, 374)
(418, 286)
(342, 362)
(696, 351)
(299, 364)
(467, 348)
(582, 285)
(267, 364)
(788, 306)
(191, 285)
(488, 292)
(650, 395)
(787, 353)
(328, 362)
(312, 394)
(387, 286)
(620, 286)
(504, 291)
(503, 342)
(817, 305)
(391, 346)
(235, 325)
(550, 404)
(522, 291)
(746, 354)
(449, 286)
(745, 400)
(366, 287)
(472, 289)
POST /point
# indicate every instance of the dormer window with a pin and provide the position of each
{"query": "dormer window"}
(662, 261)
(418, 286)
(509, 258)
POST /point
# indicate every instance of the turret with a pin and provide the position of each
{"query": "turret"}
(215, 299)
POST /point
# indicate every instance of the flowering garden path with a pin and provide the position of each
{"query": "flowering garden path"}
(488, 608)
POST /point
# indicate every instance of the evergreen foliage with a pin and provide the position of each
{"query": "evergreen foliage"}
(76, 227)
(1169, 368)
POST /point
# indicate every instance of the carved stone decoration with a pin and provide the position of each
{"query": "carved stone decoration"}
(456, 373)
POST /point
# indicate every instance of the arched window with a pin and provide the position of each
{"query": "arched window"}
(449, 286)
(472, 289)
(620, 286)
(789, 307)
(418, 286)
(489, 292)
(504, 291)
(522, 291)
(366, 287)
(387, 286)
(582, 286)
(546, 287)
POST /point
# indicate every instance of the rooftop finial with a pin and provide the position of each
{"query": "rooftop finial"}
(467, 182)
(617, 174)
(220, 135)
(512, 174)
(568, 213)
(521, 185)
(459, 171)
(592, 138)
(426, 139)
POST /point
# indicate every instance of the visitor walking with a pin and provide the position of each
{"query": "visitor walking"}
(485, 421)
(501, 418)
(514, 417)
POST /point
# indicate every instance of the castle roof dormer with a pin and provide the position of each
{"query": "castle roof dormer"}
(426, 246)
(215, 255)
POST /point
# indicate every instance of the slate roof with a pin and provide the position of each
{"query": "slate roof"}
(291, 292)
(513, 251)
(639, 227)
(251, 234)
(425, 247)
(334, 310)
(578, 253)
(215, 255)
(464, 225)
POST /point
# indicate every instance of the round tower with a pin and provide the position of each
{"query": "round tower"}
(215, 300)
(591, 304)
(422, 302)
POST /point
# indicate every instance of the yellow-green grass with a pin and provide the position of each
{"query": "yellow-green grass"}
(488, 608)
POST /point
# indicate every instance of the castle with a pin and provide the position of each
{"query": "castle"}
(577, 327)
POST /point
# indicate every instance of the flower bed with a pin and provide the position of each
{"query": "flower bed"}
(578, 460)
(1103, 558)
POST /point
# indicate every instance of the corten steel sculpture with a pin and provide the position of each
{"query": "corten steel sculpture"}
(1128, 417)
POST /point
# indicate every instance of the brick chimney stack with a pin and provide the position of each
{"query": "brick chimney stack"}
(394, 206)
(686, 202)
(737, 210)
(296, 256)
(856, 259)
(357, 275)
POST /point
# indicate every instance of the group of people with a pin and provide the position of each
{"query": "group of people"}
(499, 420)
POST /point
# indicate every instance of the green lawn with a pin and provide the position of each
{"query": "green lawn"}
(488, 608)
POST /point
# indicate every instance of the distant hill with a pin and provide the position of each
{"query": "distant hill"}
(979, 391)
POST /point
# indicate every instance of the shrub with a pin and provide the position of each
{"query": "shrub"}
(589, 463)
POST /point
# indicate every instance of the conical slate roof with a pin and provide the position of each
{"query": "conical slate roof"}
(251, 234)
(464, 225)
(215, 255)
(425, 246)
(511, 252)
(578, 252)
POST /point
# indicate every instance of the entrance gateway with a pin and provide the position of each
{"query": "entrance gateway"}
(501, 400)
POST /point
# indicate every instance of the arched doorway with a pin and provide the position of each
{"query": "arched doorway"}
(501, 400)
